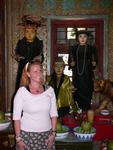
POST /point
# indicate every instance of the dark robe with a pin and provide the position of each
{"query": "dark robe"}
(28, 50)
(83, 55)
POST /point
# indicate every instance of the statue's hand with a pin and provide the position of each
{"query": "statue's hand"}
(39, 58)
(94, 63)
(72, 63)
(18, 57)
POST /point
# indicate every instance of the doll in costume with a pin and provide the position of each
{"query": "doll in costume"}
(83, 61)
(63, 88)
(28, 48)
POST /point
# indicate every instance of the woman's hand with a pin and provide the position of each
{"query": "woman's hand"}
(50, 140)
(21, 145)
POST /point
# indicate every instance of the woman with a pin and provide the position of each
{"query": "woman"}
(63, 88)
(35, 112)
(83, 60)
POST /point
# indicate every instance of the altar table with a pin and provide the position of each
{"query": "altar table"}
(104, 131)
(102, 123)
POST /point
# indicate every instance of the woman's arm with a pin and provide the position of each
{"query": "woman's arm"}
(19, 141)
(17, 130)
(17, 127)
(53, 123)
(17, 112)
(52, 134)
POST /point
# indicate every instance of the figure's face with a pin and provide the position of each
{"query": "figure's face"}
(35, 73)
(30, 34)
(59, 68)
(82, 38)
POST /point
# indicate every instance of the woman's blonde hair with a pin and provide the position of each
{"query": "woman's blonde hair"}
(25, 79)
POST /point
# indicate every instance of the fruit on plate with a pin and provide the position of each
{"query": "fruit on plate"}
(60, 128)
(80, 130)
(110, 145)
(2, 116)
(86, 126)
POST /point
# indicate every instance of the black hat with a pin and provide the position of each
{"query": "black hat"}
(58, 59)
(28, 20)
(82, 32)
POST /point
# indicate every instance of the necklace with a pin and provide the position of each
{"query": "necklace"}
(82, 70)
(36, 90)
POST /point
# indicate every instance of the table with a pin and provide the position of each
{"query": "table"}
(102, 123)
(7, 142)
(71, 143)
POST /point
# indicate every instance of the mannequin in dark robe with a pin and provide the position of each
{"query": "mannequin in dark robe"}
(83, 60)
(29, 47)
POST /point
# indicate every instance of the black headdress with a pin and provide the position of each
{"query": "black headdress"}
(28, 20)
(82, 32)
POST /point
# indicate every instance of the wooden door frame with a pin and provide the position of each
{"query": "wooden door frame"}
(83, 18)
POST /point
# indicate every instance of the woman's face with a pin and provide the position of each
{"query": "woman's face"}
(82, 38)
(35, 73)
(59, 68)
(30, 34)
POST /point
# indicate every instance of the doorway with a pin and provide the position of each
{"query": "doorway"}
(61, 38)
